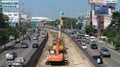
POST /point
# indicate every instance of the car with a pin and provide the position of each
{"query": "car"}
(18, 62)
(11, 56)
(87, 41)
(84, 46)
(35, 45)
(75, 38)
(35, 38)
(43, 35)
(83, 39)
(98, 59)
(94, 46)
(104, 52)
(92, 38)
(79, 41)
(24, 45)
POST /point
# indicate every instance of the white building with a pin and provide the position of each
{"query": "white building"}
(39, 19)
(13, 17)
(107, 19)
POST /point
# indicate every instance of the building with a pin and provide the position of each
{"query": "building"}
(39, 19)
(13, 17)
(107, 19)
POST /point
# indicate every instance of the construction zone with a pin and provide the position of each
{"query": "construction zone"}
(61, 51)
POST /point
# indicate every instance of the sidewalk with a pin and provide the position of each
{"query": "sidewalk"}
(110, 46)
(9, 44)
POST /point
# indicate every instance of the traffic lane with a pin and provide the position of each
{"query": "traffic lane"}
(113, 61)
(29, 52)
(17, 48)
(93, 52)
(114, 55)
(107, 62)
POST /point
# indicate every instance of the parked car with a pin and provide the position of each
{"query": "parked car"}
(11, 56)
(79, 41)
(84, 46)
(104, 52)
(24, 45)
(35, 45)
(98, 59)
(94, 46)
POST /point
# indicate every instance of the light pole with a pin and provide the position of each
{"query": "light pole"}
(19, 22)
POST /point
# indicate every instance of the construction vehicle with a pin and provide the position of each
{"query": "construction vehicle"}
(56, 54)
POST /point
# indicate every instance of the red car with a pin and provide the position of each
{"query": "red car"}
(79, 41)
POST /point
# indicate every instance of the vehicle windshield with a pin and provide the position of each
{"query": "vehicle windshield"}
(106, 50)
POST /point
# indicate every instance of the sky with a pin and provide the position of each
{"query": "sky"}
(52, 8)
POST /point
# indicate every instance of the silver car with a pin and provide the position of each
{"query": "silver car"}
(104, 52)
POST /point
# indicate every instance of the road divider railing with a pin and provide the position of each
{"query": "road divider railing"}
(85, 52)
(37, 54)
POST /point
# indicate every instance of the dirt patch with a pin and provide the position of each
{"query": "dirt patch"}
(75, 57)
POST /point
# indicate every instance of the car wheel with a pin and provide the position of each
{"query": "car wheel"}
(109, 56)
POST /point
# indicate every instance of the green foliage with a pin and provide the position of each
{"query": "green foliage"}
(112, 32)
(6, 30)
(67, 23)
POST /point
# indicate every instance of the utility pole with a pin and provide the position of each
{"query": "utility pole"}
(19, 22)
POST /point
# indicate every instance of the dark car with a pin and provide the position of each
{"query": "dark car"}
(104, 52)
(94, 46)
(35, 45)
(24, 45)
(98, 59)
(75, 38)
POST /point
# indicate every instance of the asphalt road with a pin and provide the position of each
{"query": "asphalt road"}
(113, 61)
(21, 52)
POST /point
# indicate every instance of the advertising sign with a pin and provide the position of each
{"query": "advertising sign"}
(110, 1)
(95, 1)
(103, 1)
(9, 4)
(62, 14)
(101, 9)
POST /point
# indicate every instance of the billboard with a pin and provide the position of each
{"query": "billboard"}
(95, 1)
(9, 4)
(111, 1)
(101, 9)
(103, 1)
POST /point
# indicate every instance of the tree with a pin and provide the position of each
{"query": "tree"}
(6, 30)
(113, 30)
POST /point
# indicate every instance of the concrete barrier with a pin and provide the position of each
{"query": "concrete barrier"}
(37, 54)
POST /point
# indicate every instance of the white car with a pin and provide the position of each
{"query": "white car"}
(84, 46)
(92, 38)
(11, 56)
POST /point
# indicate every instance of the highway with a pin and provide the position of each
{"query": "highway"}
(21, 52)
(113, 61)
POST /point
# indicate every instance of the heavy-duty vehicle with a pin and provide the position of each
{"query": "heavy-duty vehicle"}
(56, 54)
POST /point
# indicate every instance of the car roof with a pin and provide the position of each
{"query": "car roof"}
(96, 56)
(104, 48)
